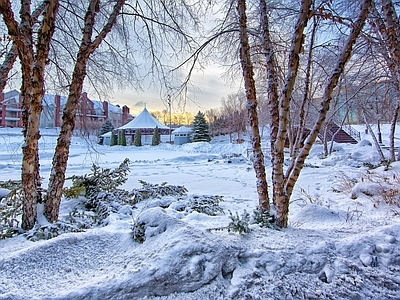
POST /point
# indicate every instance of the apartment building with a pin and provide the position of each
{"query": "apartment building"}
(89, 113)
(10, 109)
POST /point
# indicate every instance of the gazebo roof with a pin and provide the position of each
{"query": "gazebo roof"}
(144, 120)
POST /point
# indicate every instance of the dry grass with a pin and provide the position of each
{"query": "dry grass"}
(388, 181)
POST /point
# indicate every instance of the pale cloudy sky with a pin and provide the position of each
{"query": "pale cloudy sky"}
(209, 89)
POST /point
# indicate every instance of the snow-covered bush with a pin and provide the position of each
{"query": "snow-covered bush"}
(99, 190)
(10, 208)
(239, 224)
(149, 190)
(52, 230)
(264, 219)
(153, 222)
(344, 182)
(205, 204)
(139, 232)
(100, 180)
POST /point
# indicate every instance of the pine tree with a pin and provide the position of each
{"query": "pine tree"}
(201, 131)
(107, 127)
(114, 139)
(137, 140)
(121, 138)
(156, 137)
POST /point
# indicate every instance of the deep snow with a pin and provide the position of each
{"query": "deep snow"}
(341, 243)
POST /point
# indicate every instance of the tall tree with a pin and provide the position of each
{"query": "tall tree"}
(332, 82)
(106, 127)
(387, 27)
(88, 45)
(280, 101)
(201, 130)
(33, 60)
(251, 96)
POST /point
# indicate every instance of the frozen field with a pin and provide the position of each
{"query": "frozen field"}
(336, 247)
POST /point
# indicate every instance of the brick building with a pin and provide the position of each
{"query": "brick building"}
(10, 109)
(90, 112)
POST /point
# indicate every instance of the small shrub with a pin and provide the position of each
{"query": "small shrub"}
(150, 190)
(345, 183)
(11, 209)
(121, 138)
(264, 219)
(238, 223)
(99, 189)
(49, 231)
(206, 204)
(371, 166)
(99, 180)
(137, 139)
(138, 232)
(114, 139)
(155, 140)
(353, 214)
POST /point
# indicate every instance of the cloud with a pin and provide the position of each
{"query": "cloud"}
(139, 104)
(205, 93)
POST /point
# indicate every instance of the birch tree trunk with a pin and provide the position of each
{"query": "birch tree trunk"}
(12, 54)
(390, 30)
(251, 96)
(281, 199)
(272, 79)
(32, 91)
(327, 96)
(60, 159)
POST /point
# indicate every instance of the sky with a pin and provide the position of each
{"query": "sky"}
(210, 88)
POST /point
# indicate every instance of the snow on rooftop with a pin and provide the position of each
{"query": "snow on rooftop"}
(111, 107)
(144, 120)
(183, 129)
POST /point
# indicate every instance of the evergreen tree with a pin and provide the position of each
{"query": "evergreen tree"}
(114, 139)
(121, 138)
(156, 137)
(201, 131)
(107, 127)
(137, 140)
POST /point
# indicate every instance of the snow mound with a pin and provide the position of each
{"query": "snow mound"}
(314, 214)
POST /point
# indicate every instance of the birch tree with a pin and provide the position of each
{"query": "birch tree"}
(297, 165)
(33, 60)
(153, 25)
(88, 45)
(386, 24)
(251, 96)
(280, 100)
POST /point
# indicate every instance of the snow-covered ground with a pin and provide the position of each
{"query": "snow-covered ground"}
(342, 242)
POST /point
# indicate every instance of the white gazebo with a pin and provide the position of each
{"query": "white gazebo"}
(182, 135)
(146, 123)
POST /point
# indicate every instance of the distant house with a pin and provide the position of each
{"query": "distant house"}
(10, 109)
(182, 135)
(146, 123)
(89, 111)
